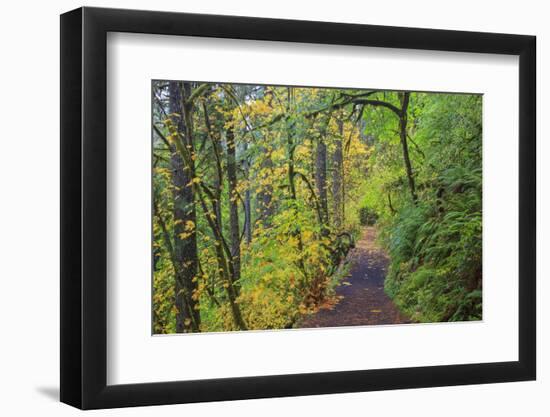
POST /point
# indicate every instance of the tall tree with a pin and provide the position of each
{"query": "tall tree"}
(321, 176)
(337, 176)
(247, 199)
(402, 113)
(184, 231)
(264, 198)
(321, 171)
(233, 198)
(228, 269)
(404, 99)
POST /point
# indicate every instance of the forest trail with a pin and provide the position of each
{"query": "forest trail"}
(363, 300)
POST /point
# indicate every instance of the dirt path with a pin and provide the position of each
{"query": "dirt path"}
(363, 301)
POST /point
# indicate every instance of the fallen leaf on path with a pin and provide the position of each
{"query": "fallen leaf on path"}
(376, 311)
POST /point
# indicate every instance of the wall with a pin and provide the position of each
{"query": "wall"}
(29, 220)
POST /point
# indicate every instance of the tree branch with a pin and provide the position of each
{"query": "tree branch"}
(380, 103)
(159, 133)
(313, 195)
(197, 92)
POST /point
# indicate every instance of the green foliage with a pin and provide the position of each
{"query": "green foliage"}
(367, 216)
(295, 226)
(435, 245)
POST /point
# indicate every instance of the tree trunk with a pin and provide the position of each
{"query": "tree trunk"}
(337, 184)
(321, 172)
(213, 217)
(225, 267)
(185, 239)
(293, 196)
(404, 98)
(264, 199)
(235, 248)
(248, 216)
(247, 202)
(233, 207)
(321, 179)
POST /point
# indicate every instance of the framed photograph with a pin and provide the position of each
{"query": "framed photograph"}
(257, 208)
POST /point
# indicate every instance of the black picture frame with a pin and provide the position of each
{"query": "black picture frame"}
(84, 207)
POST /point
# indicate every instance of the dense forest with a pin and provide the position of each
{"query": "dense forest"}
(265, 196)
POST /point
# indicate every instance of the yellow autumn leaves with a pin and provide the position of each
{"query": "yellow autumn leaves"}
(188, 230)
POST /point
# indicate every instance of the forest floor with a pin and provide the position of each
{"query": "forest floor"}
(362, 300)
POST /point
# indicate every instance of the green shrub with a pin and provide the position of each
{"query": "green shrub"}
(367, 216)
